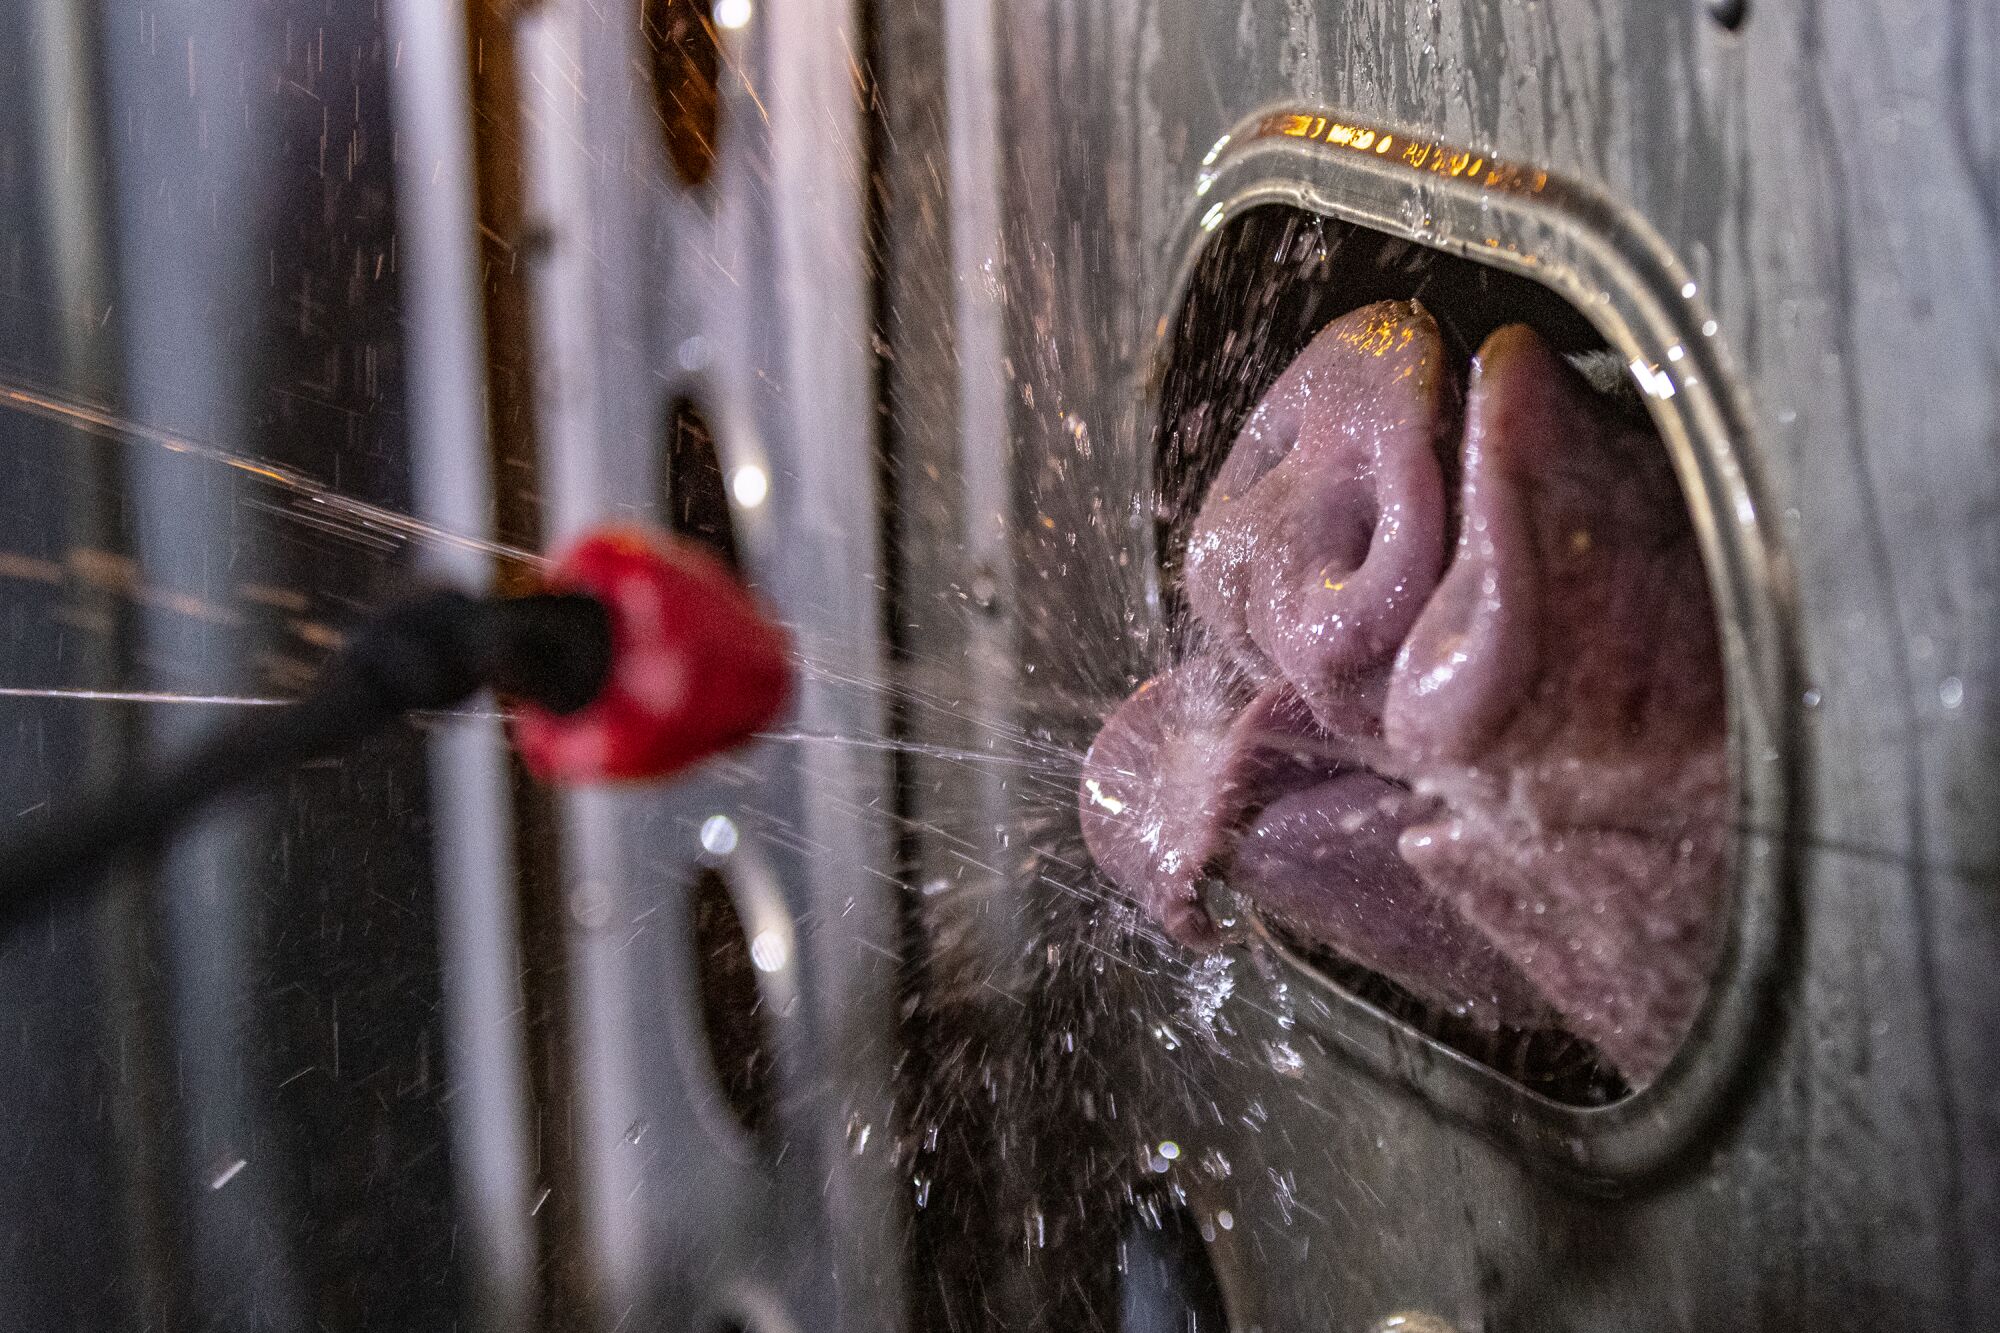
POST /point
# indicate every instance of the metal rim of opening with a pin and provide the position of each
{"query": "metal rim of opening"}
(1621, 277)
(1168, 1275)
(694, 488)
(744, 979)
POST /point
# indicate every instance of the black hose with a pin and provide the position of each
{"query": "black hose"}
(430, 653)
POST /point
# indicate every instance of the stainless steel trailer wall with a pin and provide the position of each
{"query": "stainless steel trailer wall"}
(1826, 178)
(309, 300)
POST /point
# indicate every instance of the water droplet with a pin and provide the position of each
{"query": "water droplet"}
(769, 951)
(750, 485)
(1812, 698)
(718, 835)
(1412, 1321)
(693, 353)
(1951, 691)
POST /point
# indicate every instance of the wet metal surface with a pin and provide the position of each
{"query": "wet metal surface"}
(405, 1042)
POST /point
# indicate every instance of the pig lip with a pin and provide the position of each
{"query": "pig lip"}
(1172, 798)
(1177, 772)
(1327, 860)
(1184, 772)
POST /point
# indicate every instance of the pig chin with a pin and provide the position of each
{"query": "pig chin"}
(1493, 772)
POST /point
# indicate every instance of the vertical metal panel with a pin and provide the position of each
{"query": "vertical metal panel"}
(99, 1254)
(452, 487)
(182, 143)
(824, 412)
(755, 299)
(1823, 175)
(266, 1114)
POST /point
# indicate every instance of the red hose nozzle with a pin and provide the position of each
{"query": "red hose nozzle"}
(696, 664)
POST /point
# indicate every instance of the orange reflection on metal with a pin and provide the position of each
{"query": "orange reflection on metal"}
(1419, 155)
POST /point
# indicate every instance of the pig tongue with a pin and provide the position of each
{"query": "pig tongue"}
(1325, 529)
(1562, 692)
(1615, 929)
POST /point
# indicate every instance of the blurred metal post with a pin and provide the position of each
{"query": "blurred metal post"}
(818, 92)
(767, 268)
(474, 856)
(185, 155)
(604, 992)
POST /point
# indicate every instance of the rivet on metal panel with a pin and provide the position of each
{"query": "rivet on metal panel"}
(985, 591)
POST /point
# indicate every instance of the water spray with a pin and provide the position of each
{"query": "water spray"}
(640, 656)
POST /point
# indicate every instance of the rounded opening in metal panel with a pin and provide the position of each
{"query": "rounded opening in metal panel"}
(696, 491)
(686, 69)
(747, 1310)
(1444, 717)
(733, 1012)
(1167, 1279)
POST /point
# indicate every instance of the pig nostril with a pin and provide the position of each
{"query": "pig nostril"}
(1354, 523)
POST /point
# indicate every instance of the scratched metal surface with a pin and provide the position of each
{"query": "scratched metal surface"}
(1829, 176)
(749, 295)
(224, 1096)
(397, 1045)
(262, 1131)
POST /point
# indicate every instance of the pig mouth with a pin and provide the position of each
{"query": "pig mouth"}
(1453, 706)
